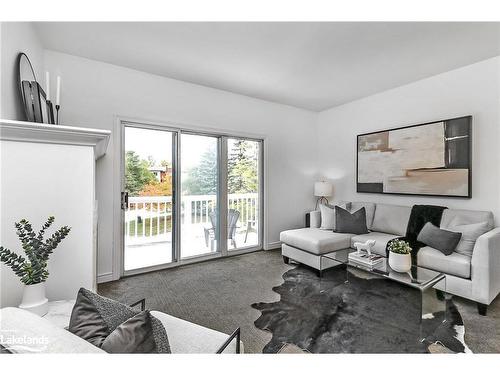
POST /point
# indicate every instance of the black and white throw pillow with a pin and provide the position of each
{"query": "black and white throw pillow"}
(94, 318)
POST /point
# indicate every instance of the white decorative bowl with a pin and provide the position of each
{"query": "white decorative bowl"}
(400, 262)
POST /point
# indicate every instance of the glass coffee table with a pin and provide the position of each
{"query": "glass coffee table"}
(422, 279)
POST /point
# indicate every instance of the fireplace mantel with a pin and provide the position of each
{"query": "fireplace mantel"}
(22, 131)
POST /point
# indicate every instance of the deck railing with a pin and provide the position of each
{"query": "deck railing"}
(149, 219)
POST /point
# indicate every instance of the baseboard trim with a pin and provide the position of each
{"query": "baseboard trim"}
(104, 277)
(272, 245)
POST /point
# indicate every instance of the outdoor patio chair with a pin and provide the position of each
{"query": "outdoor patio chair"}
(251, 227)
(232, 219)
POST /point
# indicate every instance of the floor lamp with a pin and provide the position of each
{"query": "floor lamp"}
(322, 189)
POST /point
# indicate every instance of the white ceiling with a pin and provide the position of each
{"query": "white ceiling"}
(308, 65)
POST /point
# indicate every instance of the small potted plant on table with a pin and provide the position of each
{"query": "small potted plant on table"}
(400, 255)
(32, 270)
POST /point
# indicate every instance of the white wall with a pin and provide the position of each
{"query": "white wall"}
(471, 90)
(36, 182)
(93, 93)
(17, 37)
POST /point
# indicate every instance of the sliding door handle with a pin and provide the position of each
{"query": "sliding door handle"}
(124, 200)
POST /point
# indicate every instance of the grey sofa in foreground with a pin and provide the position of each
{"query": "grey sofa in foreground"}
(475, 276)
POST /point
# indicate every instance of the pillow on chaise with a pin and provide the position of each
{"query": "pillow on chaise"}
(347, 222)
(94, 317)
(440, 239)
(328, 215)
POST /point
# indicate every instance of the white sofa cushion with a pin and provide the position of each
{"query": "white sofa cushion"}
(380, 239)
(455, 264)
(391, 219)
(19, 324)
(315, 240)
(369, 209)
(186, 337)
(466, 217)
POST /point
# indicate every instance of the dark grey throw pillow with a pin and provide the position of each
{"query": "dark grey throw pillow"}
(86, 321)
(347, 222)
(135, 335)
(4, 350)
(440, 239)
(94, 317)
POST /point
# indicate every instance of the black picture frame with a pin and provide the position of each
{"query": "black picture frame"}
(43, 110)
(26, 75)
(36, 107)
(466, 159)
(27, 98)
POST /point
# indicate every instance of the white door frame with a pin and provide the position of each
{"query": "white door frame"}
(118, 220)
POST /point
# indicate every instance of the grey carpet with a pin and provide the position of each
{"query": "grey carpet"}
(218, 294)
(365, 315)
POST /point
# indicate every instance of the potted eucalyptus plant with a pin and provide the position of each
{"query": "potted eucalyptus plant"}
(400, 255)
(32, 269)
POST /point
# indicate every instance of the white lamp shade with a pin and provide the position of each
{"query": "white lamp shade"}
(323, 189)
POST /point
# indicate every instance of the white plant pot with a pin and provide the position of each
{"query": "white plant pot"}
(34, 299)
(400, 262)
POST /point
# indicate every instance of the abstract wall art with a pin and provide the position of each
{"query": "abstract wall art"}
(426, 159)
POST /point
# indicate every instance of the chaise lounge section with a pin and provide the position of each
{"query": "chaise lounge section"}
(184, 337)
(475, 277)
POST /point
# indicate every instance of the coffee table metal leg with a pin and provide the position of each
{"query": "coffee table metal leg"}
(444, 302)
(429, 303)
(430, 306)
(328, 263)
(421, 335)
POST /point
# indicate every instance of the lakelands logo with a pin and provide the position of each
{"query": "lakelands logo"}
(16, 343)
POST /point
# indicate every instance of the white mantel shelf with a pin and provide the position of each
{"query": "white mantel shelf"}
(21, 131)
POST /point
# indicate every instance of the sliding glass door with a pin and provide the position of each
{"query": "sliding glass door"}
(199, 191)
(243, 192)
(147, 198)
(176, 185)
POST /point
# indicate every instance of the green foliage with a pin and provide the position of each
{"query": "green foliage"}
(137, 173)
(33, 270)
(400, 247)
(242, 168)
(242, 171)
(202, 179)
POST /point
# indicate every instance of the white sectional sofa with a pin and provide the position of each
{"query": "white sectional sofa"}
(475, 277)
(25, 332)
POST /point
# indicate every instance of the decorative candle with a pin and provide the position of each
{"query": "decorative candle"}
(47, 85)
(58, 96)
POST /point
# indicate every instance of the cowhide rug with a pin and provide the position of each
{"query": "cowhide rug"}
(366, 315)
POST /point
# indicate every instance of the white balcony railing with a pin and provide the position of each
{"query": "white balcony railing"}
(149, 219)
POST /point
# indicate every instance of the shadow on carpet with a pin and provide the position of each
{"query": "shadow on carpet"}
(366, 315)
